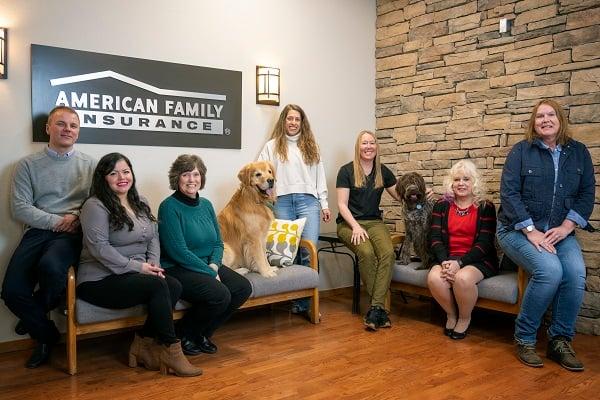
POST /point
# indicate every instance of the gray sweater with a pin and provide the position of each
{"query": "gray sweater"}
(106, 251)
(46, 187)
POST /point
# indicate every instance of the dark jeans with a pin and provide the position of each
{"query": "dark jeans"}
(127, 290)
(42, 258)
(213, 302)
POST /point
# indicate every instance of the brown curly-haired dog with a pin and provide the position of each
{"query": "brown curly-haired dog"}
(416, 211)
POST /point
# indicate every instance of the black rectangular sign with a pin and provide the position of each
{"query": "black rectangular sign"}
(124, 100)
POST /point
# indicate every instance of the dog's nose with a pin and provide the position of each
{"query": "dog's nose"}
(271, 182)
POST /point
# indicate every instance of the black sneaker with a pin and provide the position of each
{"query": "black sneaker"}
(383, 318)
(371, 320)
(527, 355)
(561, 351)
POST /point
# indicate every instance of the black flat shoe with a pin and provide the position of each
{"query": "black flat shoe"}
(206, 346)
(189, 347)
(20, 328)
(448, 332)
(40, 355)
(458, 335)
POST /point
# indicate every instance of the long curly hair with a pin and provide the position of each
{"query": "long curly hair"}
(359, 176)
(306, 143)
(564, 133)
(117, 215)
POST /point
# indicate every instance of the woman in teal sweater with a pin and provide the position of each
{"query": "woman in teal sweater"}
(191, 252)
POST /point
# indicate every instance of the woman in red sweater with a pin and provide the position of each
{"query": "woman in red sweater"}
(463, 226)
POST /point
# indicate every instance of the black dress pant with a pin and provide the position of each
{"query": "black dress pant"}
(42, 258)
(127, 290)
(213, 301)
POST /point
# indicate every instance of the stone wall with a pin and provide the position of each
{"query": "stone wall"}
(450, 86)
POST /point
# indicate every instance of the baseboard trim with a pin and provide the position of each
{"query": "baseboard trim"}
(17, 345)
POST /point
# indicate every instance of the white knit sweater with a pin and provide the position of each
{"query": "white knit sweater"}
(293, 175)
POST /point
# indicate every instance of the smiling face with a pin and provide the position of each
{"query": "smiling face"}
(367, 147)
(260, 176)
(293, 122)
(462, 185)
(547, 124)
(190, 183)
(63, 130)
(120, 178)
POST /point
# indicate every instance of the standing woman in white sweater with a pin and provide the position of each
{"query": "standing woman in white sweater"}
(301, 185)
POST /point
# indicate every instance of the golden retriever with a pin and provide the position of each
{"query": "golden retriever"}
(245, 220)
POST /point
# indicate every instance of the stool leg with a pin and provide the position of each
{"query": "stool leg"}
(356, 294)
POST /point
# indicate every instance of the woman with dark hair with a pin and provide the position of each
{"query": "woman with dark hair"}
(192, 250)
(301, 182)
(546, 190)
(120, 268)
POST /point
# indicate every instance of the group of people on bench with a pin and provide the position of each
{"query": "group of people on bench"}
(77, 212)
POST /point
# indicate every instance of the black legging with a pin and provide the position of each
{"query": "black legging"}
(213, 302)
(130, 289)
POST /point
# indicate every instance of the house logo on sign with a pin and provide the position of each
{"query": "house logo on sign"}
(132, 101)
(106, 111)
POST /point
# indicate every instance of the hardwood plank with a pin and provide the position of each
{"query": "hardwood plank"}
(268, 353)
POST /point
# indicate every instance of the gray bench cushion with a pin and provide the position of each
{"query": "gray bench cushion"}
(289, 279)
(502, 287)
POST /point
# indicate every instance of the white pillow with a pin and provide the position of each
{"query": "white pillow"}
(283, 241)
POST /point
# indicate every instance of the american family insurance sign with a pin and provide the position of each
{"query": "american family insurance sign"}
(124, 100)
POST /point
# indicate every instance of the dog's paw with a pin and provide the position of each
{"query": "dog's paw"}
(242, 271)
(269, 272)
(404, 259)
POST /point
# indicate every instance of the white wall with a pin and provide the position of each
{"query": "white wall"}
(325, 49)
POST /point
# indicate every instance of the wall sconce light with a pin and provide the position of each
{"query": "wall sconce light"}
(3, 53)
(267, 85)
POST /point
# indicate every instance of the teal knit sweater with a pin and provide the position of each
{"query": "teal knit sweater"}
(189, 235)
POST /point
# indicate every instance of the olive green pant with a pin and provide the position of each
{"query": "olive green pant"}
(375, 257)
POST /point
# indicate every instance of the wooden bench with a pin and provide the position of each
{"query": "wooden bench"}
(292, 282)
(503, 292)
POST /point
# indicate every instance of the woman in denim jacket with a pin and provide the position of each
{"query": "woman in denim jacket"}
(546, 190)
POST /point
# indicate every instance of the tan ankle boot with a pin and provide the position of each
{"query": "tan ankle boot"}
(173, 359)
(143, 351)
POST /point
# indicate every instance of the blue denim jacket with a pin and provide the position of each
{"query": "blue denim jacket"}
(528, 190)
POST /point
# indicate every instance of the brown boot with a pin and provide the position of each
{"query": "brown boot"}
(173, 359)
(142, 351)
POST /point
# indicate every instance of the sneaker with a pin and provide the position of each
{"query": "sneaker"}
(371, 320)
(527, 355)
(561, 351)
(299, 307)
(383, 318)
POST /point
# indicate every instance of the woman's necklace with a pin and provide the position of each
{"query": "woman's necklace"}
(461, 212)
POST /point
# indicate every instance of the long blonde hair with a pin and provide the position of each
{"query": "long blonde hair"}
(306, 143)
(359, 176)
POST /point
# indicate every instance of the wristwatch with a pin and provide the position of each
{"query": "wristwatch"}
(529, 228)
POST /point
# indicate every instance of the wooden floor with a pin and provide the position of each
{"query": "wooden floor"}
(270, 354)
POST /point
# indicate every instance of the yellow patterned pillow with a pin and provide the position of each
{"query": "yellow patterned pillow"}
(283, 241)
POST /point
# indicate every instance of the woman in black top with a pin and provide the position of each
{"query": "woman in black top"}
(360, 227)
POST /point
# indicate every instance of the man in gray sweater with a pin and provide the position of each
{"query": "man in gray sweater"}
(48, 189)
